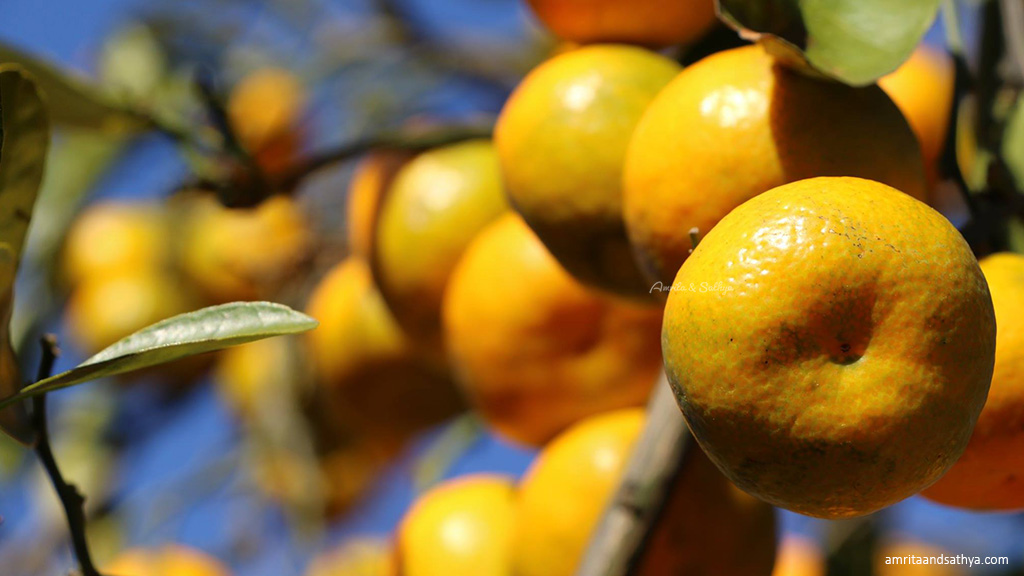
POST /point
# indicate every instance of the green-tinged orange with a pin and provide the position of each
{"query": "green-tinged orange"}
(435, 206)
(104, 309)
(736, 124)
(373, 376)
(112, 237)
(372, 178)
(831, 344)
(562, 140)
(461, 527)
(534, 349)
(232, 254)
(707, 527)
(990, 474)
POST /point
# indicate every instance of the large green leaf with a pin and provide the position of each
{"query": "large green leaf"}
(854, 41)
(25, 133)
(184, 335)
(75, 102)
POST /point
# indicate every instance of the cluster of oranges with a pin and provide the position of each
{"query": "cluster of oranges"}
(762, 236)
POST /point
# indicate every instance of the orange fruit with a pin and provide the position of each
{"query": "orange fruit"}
(798, 556)
(734, 125)
(437, 203)
(371, 180)
(105, 309)
(648, 22)
(810, 363)
(172, 560)
(372, 374)
(463, 526)
(990, 474)
(534, 348)
(360, 557)
(707, 526)
(562, 140)
(234, 254)
(111, 237)
(265, 109)
(251, 378)
(922, 87)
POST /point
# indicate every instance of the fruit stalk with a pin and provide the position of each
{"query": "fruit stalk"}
(70, 498)
(619, 541)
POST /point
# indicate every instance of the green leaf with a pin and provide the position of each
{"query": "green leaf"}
(205, 330)
(1015, 235)
(25, 134)
(26, 137)
(76, 161)
(456, 439)
(75, 102)
(853, 41)
(1013, 143)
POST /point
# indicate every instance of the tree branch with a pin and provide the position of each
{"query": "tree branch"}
(235, 194)
(621, 538)
(70, 498)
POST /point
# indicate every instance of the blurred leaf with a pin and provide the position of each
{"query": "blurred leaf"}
(132, 63)
(853, 41)
(77, 159)
(73, 101)
(205, 330)
(972, 160)
(452, 443)
(1015, 235)
(1013, 143)
(25, 133)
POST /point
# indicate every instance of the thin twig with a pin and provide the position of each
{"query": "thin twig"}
(70, 498)
(621, 538)
(418, 140)
(232, 194)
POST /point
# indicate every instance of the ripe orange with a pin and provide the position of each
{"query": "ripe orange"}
(707, 527)
(923, 89)
(461, 527)
(798, 556)
(104, 309)
(373, 376)
(562, 140)
(648, 22)
(366, 192)
(251, 378)
(243, 254)
(435, 206)
(990, 474)
(831, 343)
(535, 349)
(265, 109)
(172, 560)
(736, 124)
(112, 237)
